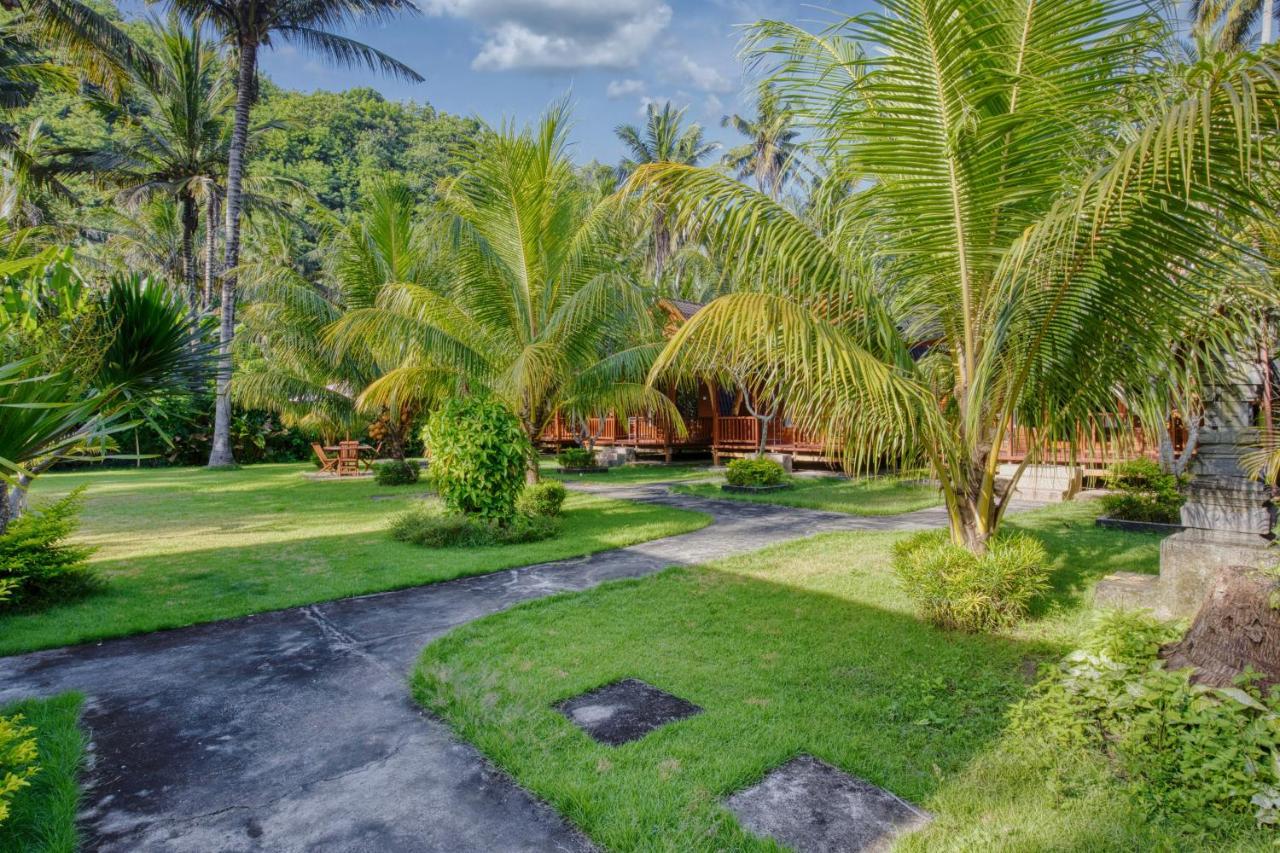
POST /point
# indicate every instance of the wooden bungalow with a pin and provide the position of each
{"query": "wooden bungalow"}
(717, 422)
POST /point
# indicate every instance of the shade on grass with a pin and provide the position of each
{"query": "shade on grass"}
(870, 496)
(808, 647)
(180, 546)
(43, 815)
(638, 473)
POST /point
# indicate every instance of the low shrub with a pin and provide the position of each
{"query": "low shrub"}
(956, 589)
(396, 472)
(17, 760)
(754, 472)
(454, 530)
(37, 566)
(479, 457)
(544, 499)
(1143, 492)
(1204, 760)
(576, 457)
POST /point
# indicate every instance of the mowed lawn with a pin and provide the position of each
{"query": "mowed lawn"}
(866, 496)
(807, 647)
(180, 546)
(642, 472)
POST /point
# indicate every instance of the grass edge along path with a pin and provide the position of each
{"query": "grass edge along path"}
(806, 647)
(870, 496)
(43, 816)
(179, 547)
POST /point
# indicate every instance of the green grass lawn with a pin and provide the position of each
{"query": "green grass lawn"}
(643, 472)
(807, 647)
(870, 496)
(43, 816)
(180, 546)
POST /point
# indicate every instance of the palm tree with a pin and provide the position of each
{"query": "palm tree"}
(178, 146)
(1005, 231)
(664, 139)
(535, 292)
(246, 26)
(770, 155)
(1230, 23)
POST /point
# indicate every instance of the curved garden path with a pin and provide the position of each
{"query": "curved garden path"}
(295, 730)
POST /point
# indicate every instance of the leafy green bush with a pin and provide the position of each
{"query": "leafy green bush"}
(36, 564)
(1143, 492)
(17, 760)
(754, 472)
(479, 455)
(544, 499)
(954, 588)
(453, 530)
(576, 457)
(396, 472)
(1204, 760)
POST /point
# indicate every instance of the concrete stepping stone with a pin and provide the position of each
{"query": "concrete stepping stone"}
(625, 711)
(812, 807)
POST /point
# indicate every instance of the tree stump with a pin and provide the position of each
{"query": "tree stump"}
(1237, 627)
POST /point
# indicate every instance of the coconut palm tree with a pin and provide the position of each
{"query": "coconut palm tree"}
(664, 139)
(534, 291)
(246, 26)
(770, 155)
(1005, 230)
(1230, 23)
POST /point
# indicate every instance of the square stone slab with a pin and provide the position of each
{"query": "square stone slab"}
(812, 807)
(625, 710)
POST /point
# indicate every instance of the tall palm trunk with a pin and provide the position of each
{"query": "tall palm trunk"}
(190, 223)
(1268, 20)
(221, 453)
(210, 249)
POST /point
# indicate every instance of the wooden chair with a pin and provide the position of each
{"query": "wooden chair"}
(328, 465)
(348, 458)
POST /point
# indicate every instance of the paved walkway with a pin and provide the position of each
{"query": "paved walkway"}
(295, 730)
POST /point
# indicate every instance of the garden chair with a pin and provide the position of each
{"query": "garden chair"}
(328, 464)
(348, 458)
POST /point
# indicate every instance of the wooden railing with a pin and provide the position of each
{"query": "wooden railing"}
(1100, 442)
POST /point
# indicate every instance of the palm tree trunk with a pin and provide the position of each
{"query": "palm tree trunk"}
(1268, 20)
(221, 453)
(210, 249)
(190, 222)
(4, 507)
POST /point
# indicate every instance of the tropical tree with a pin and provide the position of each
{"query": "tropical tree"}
(664, 139)
(535, 293)
(1230, 23)
(93, 363)
(770, 156)
(246, 26)
(1027, 208)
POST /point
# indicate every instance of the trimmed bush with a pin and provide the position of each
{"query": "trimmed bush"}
(396, 472)
(36, 564)
(954, 588)
(1143, 493)
(754, 472)
(17, 760)
(453, 530)
(544, 499)
(479, 456)
(576, 457)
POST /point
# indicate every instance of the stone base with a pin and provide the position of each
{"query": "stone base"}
(1188, 563)
(613, 457)
(1046, 483)
(783, 459)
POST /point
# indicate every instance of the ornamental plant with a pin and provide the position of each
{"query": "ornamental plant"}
(576, 457)
(754, 472)
(17, 760)
(479, 455)
(396, 472)
(1143, 492)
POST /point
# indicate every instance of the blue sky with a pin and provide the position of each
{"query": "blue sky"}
(501, 59)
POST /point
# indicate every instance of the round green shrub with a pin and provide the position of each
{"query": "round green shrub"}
(956, 589)
(479, 455)
(38, 566)
(754, 472)
(1143, 492)
(576, 457)
(396, 472)
(544, 499)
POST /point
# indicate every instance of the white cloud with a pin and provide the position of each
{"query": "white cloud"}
(683, 69)
(714, 106)
(559, 34)
(622, 88)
